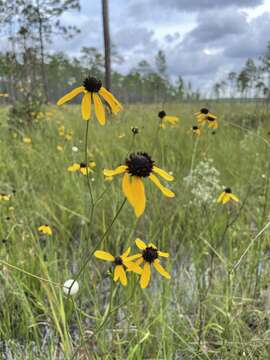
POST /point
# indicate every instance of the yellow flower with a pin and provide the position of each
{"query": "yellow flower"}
(61, 130)
(196, 130)
(93, 92)
(82, 168)
(149, 256)
(212, 121)
(137, 166)
(173, 120)
(5, 197)
(27, 140)
(60, 148)
(227, 196)
(68, 136)
(202, 115)
(45, 229)
(121, 264)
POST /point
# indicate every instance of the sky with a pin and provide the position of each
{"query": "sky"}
(202, 39)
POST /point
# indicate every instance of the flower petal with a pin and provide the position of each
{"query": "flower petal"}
(132, 266)
(99, 109)
(122, 275)
(103, 255)
(161, 269)
(126, 253)
(117, 272)
(119, 170)
(163, 173)
(138, 195)
(140, 244)
(86, 106)
(220, 198)
(163, 254)
(133, 257)
(146, 275)
(74, 167)
(171, 119)
(164, 190)
(111, 100)
(234, 197)
(127, 189)
(70, 95)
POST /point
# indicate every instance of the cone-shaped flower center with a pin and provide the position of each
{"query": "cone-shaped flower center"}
(139, 164)
(204, 111)
(91, 84)
(228, 190)
(195, 127)
(150, 254)
(162, 114)
(118, 260)
(83, 165)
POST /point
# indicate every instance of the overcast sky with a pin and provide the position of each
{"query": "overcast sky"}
(202, 39)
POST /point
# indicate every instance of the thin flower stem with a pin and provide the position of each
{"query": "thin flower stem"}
(194, 155)
(87, 175)
(99, 242)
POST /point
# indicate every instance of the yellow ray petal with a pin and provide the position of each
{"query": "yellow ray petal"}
(122, 275)
(234, 197)
(126, 253)
(118, 170)
(163, 173)
(161, 269)
(86, 106)
(138, 195)
(152, 245)
(140, 244)
(74, 167)
(132, 266)
(103, 255)
(127, 189)
(220, 198)
(226, 198)
(164, 190)
(117, 272)
(163, 254)
(146, 275)
(133, 257)
(171, 119)
(99, 109)
(70, 95)
(111, 100)
(140, 261)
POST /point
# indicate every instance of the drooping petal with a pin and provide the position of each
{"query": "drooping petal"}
(99, 109)
(122, 275)
(220, 198)
(140, 261)
(152, 245)
(70, 95)
(161, 269)
(164, 190)
(103, 255)
(132, 266)
(171, 119)
(146, 275)
(119, 170)
(234, 197)
(111, 100)
(86, 106)
(133, 257)
(74, 167)
(163, 173)
(126, 253)
(163, 254)
(127, 189)
(140, 244)
(226, 198)
(117, 271)
(138, 195)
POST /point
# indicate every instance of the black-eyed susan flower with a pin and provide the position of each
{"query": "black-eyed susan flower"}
(27, 140)
(138, 166)
(173, 120)
(149, 256)
(5, 197)
(45, 229)
(212, 121)
(196, 130)
(93, 91)
(82, 167)
(227, 196)
(121, 264)
(202, 115)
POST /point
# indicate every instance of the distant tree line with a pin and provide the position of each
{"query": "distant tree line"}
(253, 80)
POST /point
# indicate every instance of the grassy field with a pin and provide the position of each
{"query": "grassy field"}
(217, 303)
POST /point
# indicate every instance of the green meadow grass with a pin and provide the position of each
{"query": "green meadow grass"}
(217, 303)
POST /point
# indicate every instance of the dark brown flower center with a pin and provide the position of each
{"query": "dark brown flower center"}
(83, 165)
(161, 114)
(118, 261)
(91, 84)
(210, 118)
(150, 254)
(204, 111)
(228, 190)
(139, 164)
(195, 127)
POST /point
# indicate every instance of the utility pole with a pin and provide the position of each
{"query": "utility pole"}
(107, 43)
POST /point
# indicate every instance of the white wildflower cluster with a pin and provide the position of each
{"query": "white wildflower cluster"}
(204, 183)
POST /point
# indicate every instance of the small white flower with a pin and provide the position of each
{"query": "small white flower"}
(70, 289)
(75, 149)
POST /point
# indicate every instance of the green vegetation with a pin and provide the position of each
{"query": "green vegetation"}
(216, 305)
